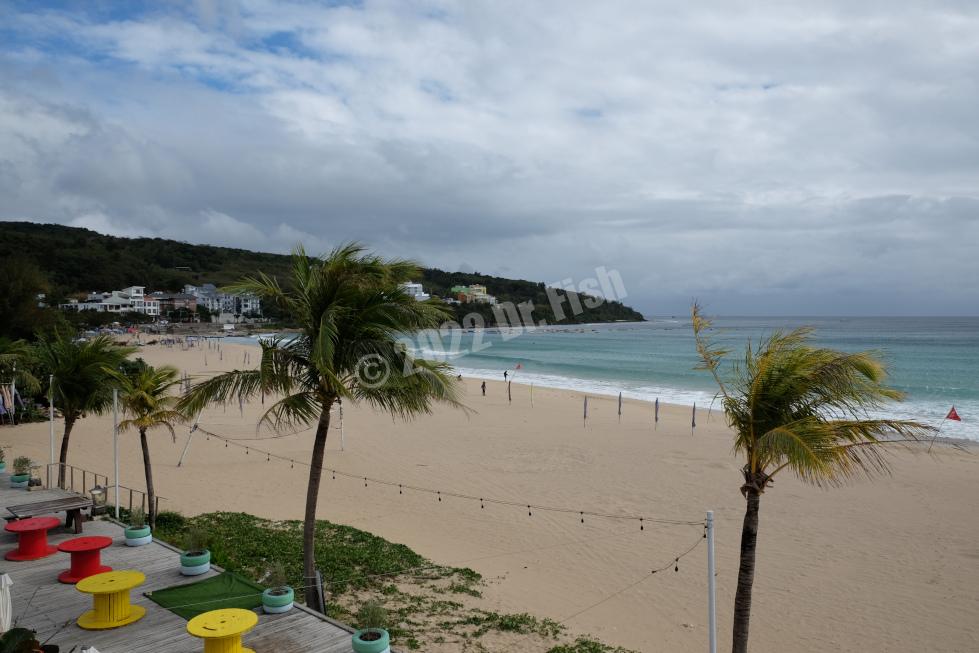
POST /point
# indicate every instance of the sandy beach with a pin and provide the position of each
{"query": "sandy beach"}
(889, 565)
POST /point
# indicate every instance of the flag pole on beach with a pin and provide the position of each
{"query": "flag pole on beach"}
(531, 395)
(952, 415)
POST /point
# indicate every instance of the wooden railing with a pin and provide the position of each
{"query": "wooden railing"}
(81, 481)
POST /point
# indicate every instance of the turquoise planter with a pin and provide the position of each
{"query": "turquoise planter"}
(138, 536)
(20, 480)
(382, 645)
(3, 466)
(278, 602)
(194, 565)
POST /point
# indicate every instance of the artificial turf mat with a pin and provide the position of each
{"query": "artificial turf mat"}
(226, 590)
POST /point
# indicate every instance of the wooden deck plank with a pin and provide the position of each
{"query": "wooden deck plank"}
(41, 602)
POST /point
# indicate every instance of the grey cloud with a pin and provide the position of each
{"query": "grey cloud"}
(766, 159)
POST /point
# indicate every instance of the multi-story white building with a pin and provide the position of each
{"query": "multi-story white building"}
(416, 291)
(224, 303)
(128, 300)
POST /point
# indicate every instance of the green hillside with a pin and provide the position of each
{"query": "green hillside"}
(78, 260)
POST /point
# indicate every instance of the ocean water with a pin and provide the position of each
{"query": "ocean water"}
(935, 361)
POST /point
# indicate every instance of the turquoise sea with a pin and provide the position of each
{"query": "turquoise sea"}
(934, 360)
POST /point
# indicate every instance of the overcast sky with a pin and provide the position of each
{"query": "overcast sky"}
(766, 158)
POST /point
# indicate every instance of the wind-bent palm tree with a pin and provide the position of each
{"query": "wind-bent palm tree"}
(802, 408)
(82, 379)
(147, 402)
(352, 312)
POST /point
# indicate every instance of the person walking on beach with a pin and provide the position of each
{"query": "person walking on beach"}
(504, 375)
(483, 387)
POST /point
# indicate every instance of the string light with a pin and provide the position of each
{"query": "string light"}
(482, 500)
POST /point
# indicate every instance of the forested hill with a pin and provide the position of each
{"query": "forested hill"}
(80, 260)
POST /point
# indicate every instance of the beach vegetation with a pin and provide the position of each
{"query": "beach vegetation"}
(83, 378)
(793, 406)
(148, 403)
(22, 465)
(352, 312)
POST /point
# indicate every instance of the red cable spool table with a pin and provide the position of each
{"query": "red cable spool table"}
(32, 538)
(86, 557)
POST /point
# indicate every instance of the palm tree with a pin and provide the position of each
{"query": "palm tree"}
(351, 312)
(17, 362)
(82, 378)
(146, 401)
(802, 408)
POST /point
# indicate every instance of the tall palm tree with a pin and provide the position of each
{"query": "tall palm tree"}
(351, 312)
(147, 403)
(796, 407)
(82, 378)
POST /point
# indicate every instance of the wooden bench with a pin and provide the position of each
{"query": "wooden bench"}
(72, 506)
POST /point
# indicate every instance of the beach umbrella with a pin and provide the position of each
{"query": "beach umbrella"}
(6, 607)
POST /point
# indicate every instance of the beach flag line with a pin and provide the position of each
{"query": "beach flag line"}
(483, 500)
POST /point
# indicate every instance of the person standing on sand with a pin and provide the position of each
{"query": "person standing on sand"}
(483, 387)
(504, 375)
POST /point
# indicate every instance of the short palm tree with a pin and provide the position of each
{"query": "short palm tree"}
(147, 403)
(793, 406)
(352, 313)
(17, 362)
(82, 382)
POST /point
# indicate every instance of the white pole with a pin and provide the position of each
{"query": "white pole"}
(115, 443)
(711, 588)
(51, 412)
(341, 427)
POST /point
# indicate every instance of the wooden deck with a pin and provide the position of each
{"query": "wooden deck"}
(42, 603)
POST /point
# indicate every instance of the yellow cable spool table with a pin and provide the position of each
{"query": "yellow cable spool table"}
(221, 630)
(110, 599)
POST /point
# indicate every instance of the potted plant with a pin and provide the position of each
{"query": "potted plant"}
(372, 637)
(22, 471)
(3, 461)
(138, 533)
(279, 596)
(195, 559)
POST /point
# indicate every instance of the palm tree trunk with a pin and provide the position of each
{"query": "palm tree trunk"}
(63, 459)
(148, 469)
(312, 495)
(746, 572)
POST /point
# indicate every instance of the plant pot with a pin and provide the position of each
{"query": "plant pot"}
(20, 480)
(3, 466)
(382, 645)
(138, 536)
(194, 563)
(276, 600)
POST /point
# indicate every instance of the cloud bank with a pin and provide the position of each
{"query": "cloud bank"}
(794, 159)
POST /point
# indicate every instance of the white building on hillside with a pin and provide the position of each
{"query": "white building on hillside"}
(224, 303)
(128, 300)
(416, 291)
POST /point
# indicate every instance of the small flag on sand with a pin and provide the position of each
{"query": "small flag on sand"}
(953, 415)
